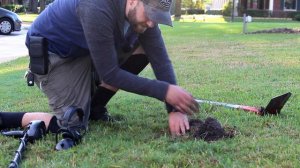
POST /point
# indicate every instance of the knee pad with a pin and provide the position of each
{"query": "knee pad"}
(71, 133)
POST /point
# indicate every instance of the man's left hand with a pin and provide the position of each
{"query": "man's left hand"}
(178, 123)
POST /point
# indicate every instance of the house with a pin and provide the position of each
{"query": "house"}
(218, 4)
(274, 8)
(7, 2)
(261, 8)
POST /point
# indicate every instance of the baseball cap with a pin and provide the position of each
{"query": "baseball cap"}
(158, 11)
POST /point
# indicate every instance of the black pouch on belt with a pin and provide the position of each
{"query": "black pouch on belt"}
(38, 52)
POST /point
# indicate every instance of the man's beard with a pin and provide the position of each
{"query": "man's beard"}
(137, 27)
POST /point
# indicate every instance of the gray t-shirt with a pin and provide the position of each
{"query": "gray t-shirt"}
(74, 27)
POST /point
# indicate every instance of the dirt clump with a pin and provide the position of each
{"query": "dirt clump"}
(209, 130)
(278, 30)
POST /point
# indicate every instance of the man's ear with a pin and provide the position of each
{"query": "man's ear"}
(133, 2)
(130, 4)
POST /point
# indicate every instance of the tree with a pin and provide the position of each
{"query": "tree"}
(33, 6)
(199, 4)
(187, 4)
(42, 5)
(177, 9)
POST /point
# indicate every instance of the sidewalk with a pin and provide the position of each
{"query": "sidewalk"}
(13, 46)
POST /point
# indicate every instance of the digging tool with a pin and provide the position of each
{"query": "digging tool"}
(274, 107)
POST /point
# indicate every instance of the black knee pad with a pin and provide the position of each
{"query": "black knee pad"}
(71, 134)
(53, 126)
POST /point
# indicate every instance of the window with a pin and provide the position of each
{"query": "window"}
(289, 4)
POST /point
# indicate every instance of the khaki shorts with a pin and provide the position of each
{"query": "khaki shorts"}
(68, 83)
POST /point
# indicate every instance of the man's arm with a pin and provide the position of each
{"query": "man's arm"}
(155, 49)
(156, 52)
(99, 25)
(179, 102)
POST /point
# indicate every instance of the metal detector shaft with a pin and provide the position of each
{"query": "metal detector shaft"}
(274, 107)
(234, 106)
(34, 131)
(18, 156)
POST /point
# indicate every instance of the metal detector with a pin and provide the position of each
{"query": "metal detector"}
(35, 130)
(274, 107)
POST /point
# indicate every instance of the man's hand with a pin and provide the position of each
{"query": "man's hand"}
(181, 100)
(178, 123)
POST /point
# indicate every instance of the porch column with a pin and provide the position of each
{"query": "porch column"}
(271, 4)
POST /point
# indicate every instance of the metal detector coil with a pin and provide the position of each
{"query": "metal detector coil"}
(276, 104)
(274, 107)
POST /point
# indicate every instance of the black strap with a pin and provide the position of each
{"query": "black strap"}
(70, 112)
(71, 134)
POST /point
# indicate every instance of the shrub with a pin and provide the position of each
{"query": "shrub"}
(227, 9)
(14, 8)
(9, 7)
(214, 12)
(297, 17)
(286, 14)
(195, 11)
(191, 11)
(267, 13)
(258, 13)
(21, 9)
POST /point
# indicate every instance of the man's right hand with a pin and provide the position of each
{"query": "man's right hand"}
(181, 100)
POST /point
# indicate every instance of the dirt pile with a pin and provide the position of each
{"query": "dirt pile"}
(278, 30)
(209, 130)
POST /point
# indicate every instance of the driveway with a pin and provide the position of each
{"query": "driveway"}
(13, 46)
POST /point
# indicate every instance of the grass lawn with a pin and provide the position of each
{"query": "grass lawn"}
(27, 17)
(213, 61)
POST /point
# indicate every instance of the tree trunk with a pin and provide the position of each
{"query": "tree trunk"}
(30, 6)
(33, 4)
(42, 5)
(172, 11)
(178, 9)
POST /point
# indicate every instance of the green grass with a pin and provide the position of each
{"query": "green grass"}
(27, 17)
(213, 61)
